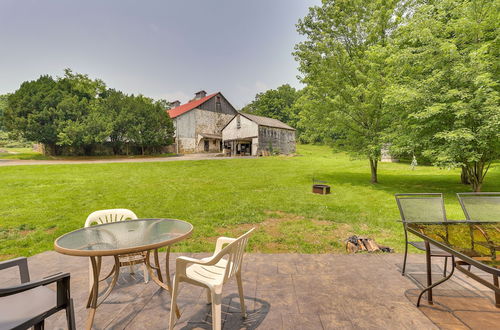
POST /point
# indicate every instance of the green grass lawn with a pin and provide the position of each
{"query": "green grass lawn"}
(30, 154)
(224, 197)
(21, 153)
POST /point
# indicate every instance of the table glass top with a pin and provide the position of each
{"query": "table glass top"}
(127, 234)
(479, 240)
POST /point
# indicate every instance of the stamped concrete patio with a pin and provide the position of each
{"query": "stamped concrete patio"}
(285, 291)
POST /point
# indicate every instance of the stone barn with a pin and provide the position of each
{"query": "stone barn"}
(198, 123)
(248, 134)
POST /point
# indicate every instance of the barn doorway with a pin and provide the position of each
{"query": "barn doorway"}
(206, 146)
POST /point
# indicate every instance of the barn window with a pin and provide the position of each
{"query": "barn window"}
(238, 122)
(218, 106)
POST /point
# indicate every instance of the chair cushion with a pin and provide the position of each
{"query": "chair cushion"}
(208, 275)
(435, 251)
(22, 307)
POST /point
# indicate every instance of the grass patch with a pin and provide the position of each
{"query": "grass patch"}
(224, 197)
(21, 153)
(30, 154)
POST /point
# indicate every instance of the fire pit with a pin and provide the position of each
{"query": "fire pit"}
(322, 189)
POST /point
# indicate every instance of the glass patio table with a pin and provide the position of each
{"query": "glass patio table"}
(473, 243)
(130, 237)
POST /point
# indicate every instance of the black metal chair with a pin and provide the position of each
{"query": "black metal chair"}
(30, 303)
(422, 207)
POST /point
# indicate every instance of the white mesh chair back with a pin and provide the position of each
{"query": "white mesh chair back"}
(421, 207)
(233, 254)
(480, 206)
(106, 216)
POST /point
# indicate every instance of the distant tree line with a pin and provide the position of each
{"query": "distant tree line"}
(422, 75)
(77, 115)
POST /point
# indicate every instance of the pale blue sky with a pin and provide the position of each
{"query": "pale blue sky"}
(162, 49)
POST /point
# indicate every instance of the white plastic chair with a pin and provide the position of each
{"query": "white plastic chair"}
(212, 273)
(113, 215)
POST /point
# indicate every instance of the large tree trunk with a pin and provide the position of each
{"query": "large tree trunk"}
(464, 177)
(373, 168)
(476, 172)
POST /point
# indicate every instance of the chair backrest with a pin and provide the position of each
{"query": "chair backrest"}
(234, 253)
(480, 206)
(112, 215)
(421, 207)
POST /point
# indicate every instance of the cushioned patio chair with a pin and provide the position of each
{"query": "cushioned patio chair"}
(212, 273)
(31, 302)
(422, 208)
(114, 215)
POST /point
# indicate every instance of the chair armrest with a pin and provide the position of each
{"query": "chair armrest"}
(22, 263)
(60, 278)
(181, 263)
(221, 241)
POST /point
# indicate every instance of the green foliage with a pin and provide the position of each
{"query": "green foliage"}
(343, 63)
(3, 106)
(446, 91)
(74, 114)
(151, 127)
(276, 103)
(31, 111)
(54, 199)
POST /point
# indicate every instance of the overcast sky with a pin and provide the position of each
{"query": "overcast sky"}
(162, 49)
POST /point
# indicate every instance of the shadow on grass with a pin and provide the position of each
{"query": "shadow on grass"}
(448, 184)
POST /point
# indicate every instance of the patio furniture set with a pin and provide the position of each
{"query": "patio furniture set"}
(129, 243)
(474, 242)
(470, 243)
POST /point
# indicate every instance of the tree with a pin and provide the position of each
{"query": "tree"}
(447, 70)
(74, 113)
(32, 111)
(150, 126)
(3, 106)
(343, 64)
(276, 103)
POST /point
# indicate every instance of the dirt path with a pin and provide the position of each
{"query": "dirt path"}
(15, 162)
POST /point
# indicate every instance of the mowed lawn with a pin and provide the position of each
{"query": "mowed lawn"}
(224, 197)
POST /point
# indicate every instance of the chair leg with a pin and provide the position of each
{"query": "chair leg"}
(91, 281)
(404, 260)
(445, 266)
(216, 310)
(132, 269)
(146, 273)
(209, 297)
(242, 297)
(70, 315)
(40, 325)
(173, 305)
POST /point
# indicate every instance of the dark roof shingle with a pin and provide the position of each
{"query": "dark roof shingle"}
(265, 121)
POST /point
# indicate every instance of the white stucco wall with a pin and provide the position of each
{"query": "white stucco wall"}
(248, 129)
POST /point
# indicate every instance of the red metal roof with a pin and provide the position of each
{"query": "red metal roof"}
(189, 106)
